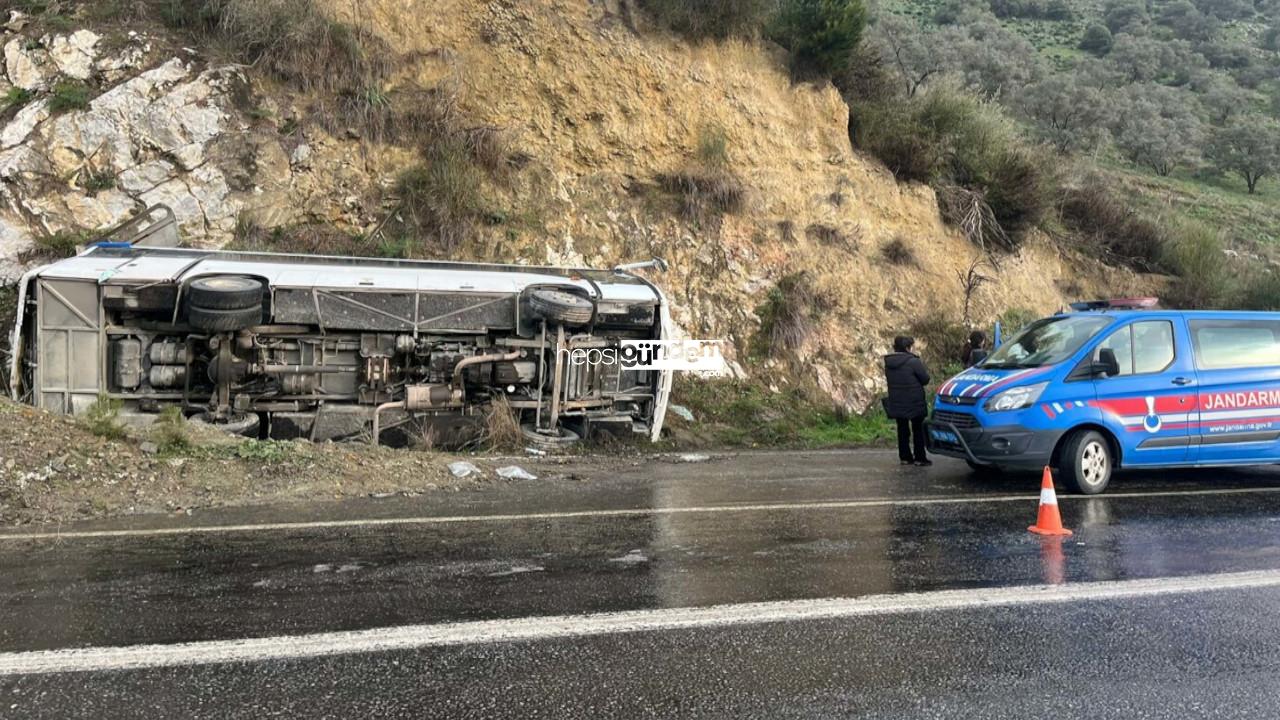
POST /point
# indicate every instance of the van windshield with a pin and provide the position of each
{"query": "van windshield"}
(1047, 342)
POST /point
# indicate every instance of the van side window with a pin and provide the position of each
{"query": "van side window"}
(1226, 344)
(1142, 347)
(1152, 346)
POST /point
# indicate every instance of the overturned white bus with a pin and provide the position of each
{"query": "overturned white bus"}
(289, 346)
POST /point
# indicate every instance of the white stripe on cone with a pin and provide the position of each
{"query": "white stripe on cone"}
(1048, 497)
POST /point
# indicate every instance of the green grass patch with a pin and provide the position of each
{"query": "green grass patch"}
(15, 97)
(103, 419)
(872, 428)
(68, 95)
(739, 413)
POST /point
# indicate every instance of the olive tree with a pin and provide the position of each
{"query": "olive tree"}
(994, 61)
(1097, 40)
(1248, 147)
(914, 54)
(1068, 114)
(1158, 127)
(1126, 16)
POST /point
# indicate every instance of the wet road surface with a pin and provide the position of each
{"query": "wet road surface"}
(651, 538)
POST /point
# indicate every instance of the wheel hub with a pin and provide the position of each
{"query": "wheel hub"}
(1094, 463)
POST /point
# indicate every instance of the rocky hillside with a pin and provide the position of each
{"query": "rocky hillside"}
(613, 141)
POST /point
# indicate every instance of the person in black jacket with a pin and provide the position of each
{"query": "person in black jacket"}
(975, 351)
(907, 376)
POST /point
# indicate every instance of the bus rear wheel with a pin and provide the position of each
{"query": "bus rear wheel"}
(1086, 462)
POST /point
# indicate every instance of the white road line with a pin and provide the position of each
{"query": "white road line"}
(412, 637)
(623, 512)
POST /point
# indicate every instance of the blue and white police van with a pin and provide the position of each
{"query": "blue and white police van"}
(1089, 392)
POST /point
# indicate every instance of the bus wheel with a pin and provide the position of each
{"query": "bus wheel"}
(1086, 463)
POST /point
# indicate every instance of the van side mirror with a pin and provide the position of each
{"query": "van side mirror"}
(1106, 364)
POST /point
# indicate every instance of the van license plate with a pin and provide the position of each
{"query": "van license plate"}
(945, 436)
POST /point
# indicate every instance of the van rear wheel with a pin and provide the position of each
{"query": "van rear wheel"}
(1086, 462)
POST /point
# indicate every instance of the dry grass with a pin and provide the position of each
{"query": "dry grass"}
(443, 197)
(313, 239)
(295, 41)
(787, 231)
(898, 252)
(832, 236)
(713, 146)
(705, 193)
(426, 439)
(502, 426)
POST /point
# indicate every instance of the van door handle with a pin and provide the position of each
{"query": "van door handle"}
(1182, 381)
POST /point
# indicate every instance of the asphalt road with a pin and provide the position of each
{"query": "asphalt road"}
(778, 585)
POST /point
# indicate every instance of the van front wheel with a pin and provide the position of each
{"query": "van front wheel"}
(1086, 463)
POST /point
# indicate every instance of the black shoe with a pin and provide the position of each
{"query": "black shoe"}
(924, 463)
(905, 462)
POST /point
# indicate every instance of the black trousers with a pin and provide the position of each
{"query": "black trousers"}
(909, 430)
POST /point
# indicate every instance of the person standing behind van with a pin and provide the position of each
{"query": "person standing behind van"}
(975, 351)
(906, 376)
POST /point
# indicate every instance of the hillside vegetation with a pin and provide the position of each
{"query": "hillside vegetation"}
(1164, 108)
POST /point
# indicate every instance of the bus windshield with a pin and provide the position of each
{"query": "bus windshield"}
(1047, 342)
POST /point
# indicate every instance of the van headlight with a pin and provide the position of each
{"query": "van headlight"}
(1015, 398)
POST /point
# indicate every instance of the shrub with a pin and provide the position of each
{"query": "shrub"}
(1015, 318)
(1016, 184)
(991, 184)
(98, 180)
(939, 341)
(1097, 213)
(1258, 291)
(102, 418)
(1097, 39)
(898, 252)
(55, 246)
(716, 19)
(68, 95)
(1196, 257)
(789, 313)
(170, 431)
(443, 196)
(296, 42)
(822, 35)
(891, 132)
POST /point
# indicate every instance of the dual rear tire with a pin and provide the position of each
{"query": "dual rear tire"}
(224, 303)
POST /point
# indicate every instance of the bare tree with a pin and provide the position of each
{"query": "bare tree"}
(970, 280)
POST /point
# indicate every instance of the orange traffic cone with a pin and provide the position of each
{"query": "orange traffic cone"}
(1048, 522)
